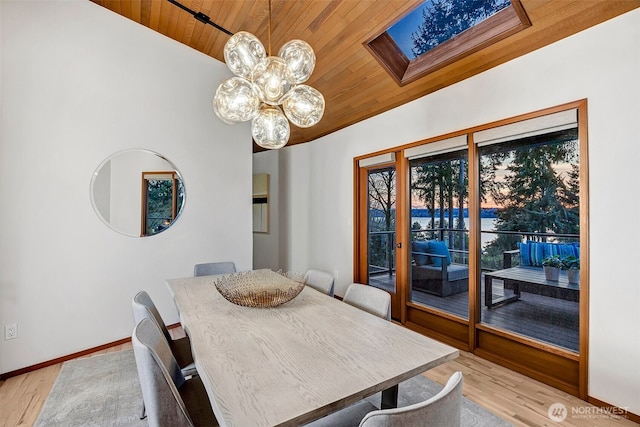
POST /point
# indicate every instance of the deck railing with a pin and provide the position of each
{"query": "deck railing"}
(386, 253)
(383, 261)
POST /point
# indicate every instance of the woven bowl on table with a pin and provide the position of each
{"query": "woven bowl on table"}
(260, 288)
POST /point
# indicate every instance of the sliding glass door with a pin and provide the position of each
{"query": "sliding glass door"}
(377, 244)
(439, 231)
(463, 230)
(381, 242)
(530, 188)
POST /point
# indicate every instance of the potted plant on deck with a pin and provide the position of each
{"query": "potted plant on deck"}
(551, 266)
(572, 265)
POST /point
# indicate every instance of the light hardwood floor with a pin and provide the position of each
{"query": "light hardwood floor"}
(22, 396)
(512, 396)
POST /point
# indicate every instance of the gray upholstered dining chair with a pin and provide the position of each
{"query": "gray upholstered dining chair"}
(170, 398)
(442, 410)
(143, 307)
(209, 268)
(351, 416)
(320, 281)
(370, 299)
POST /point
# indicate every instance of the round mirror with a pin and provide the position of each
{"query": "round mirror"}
(137, 193)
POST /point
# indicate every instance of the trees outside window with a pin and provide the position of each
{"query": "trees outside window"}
(439, 190)
(382, 219)
(444, 19)
(534, 186)
(533, 183)
(163, 193)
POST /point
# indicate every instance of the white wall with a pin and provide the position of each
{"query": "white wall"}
(601, 64)
(80, 83)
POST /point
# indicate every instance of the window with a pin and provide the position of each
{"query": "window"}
(439, 226)
(162, 195)
(475, 214)
(436, 22)
(530, 177)
(382, 227)
(440, 32)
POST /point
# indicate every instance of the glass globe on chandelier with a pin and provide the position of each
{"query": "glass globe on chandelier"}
(268, 90)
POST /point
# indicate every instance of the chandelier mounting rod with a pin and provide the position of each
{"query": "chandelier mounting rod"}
(269, 27)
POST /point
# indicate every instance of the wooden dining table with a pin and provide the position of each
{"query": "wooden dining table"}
(297, 362)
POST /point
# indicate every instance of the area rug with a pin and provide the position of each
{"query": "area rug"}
(104, 390)
(99, 391)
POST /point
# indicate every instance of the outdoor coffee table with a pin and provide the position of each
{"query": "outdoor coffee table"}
(528, 279)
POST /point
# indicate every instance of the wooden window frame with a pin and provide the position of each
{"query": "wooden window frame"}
(146, 176)
(555, 366)
(503, 24)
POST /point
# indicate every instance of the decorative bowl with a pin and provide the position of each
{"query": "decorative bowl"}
(260, 288)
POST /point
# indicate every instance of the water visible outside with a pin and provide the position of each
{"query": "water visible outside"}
(486, 224)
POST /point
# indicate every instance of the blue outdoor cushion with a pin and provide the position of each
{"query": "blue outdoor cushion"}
(533, 253)
(439, 248)
(421, 246)
(525, 253)
(563, 250)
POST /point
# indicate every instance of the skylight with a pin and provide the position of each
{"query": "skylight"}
(437, 21)
(440, 32)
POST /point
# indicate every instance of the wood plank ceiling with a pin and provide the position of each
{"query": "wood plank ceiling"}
(354, 84)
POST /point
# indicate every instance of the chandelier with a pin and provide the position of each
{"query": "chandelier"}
(268, 90)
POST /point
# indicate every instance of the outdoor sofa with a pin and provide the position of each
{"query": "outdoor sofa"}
(432, 270)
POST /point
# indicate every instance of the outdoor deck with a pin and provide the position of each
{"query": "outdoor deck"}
(551, 320)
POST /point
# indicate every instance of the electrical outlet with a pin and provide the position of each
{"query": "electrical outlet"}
(11, 331)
